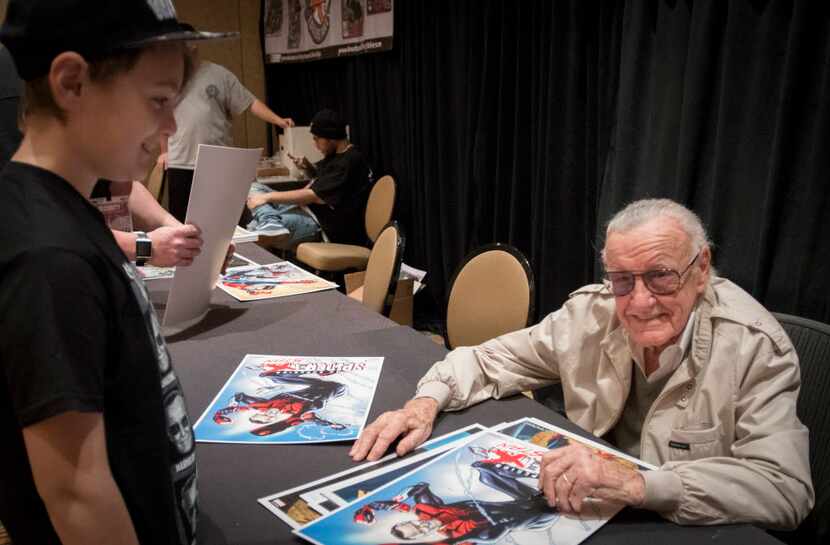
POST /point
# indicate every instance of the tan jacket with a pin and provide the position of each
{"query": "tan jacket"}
(732, 401)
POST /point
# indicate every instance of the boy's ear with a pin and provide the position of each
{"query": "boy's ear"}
(67, 77)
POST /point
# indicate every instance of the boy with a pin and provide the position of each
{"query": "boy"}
(87, 456)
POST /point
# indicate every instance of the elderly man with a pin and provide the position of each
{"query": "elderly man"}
(666, 360)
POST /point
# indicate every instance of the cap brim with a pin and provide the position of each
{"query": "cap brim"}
(182, 36)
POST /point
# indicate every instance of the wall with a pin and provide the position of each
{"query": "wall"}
(241, 56)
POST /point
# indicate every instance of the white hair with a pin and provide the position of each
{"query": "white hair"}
(643, 211)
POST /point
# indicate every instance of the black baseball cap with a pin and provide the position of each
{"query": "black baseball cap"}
(328, 124)
(36, 31)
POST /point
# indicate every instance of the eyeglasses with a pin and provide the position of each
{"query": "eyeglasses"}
(657, 281)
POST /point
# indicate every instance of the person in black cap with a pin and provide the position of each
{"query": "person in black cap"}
(335, 199)
(86, 456)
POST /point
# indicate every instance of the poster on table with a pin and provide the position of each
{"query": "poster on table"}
(310, 30)
(269, 281)
(151, 272)
(484, 491)
(300, 505)
(292, 399)
(549, 436)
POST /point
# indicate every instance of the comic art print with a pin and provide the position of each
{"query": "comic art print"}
(269, 281)
(292, 399)
(484, 491)
(549, 436)
(300, 505)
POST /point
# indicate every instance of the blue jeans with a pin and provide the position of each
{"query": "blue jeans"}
(291, 216)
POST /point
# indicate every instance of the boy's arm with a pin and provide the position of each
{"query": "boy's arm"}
(68, 456)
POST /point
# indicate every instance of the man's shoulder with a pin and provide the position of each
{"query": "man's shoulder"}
(732, 305)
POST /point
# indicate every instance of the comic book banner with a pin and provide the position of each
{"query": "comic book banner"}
(292, 399)
(311, 30)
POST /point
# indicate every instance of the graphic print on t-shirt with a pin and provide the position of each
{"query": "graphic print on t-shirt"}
(179, 430)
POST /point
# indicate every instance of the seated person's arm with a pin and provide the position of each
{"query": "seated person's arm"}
(521, 360)
(300, 197)
(174, 244)
(68, 456)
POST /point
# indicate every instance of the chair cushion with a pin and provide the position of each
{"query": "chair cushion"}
(325, 256)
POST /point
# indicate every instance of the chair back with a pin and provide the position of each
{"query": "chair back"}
(811, 340)
(381, 279)
(379, 206)
(491, 294)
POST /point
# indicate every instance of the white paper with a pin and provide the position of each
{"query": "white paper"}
(220, 187)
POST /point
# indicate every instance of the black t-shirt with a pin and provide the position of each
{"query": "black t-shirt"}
(343, 181)
(78, 333)
(11, 89)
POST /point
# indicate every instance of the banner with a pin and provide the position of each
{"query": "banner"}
(310, 30)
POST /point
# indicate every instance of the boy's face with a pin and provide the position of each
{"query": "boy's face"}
(122, 120)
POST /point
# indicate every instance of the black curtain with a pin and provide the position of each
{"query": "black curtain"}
(531, 122)
(723, 107)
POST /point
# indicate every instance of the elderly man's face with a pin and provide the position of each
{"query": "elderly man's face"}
(656, 320)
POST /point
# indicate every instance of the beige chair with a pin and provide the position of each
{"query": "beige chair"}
(491, 294)
(331, 257)
(380, 280)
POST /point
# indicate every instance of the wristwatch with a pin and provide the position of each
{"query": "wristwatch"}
(143, 248)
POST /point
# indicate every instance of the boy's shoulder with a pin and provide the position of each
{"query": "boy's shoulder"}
(41, 210)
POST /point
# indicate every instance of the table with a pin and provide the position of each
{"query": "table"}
(232, 477)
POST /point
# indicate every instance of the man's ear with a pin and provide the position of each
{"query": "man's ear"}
(67, 77)
(704, 267)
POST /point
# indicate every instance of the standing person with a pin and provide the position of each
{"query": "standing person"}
(335, 198)
(87, 456)
(211, 100)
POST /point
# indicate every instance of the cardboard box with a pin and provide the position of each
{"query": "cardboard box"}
(401, 306)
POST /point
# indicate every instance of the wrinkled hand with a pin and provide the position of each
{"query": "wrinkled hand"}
(286, 122)
(413, 422)
(575, 472)
(175, 246)
(257, 200)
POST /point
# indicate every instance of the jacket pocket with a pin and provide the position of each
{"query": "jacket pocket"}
(694, 443)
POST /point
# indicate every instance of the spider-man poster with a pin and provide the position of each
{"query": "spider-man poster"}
(268, 281)
(482, 492)
(292, 399)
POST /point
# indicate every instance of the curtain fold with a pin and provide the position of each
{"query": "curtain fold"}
(531, 122)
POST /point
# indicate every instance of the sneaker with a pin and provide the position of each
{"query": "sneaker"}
(271, 229)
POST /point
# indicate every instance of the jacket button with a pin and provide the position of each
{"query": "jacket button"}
(683, 398)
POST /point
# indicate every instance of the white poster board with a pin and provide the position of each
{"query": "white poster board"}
(220, 188)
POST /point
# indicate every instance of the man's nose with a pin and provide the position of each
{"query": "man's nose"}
(640, 295)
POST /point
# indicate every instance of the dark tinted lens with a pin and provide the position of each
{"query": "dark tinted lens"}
(662, 282)
(621, 282)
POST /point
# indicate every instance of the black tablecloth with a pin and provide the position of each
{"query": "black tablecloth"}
(232, 477)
